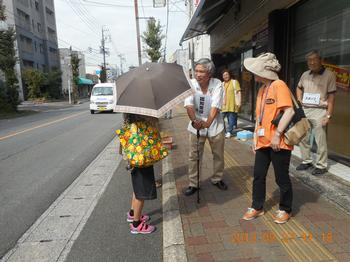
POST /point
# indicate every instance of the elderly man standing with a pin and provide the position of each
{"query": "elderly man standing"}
(316, 90)
(203, 109)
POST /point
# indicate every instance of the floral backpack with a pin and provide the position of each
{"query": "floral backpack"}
(141, 144)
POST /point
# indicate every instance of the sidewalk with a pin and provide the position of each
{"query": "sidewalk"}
(214, 231)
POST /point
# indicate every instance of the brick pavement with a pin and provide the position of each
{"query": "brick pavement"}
(214, 230)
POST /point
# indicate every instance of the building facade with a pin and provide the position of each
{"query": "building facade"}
(181, 57)
(36, 34)
(65, 61)
(290, 29)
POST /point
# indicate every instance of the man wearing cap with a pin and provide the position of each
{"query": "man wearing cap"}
(273, 99)
(316, 91)
(203, 109)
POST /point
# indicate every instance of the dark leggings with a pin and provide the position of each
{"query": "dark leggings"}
(280, 162)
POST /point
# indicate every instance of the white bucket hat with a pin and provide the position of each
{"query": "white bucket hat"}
(265, 65)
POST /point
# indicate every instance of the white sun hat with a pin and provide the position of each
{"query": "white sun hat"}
(265, 65)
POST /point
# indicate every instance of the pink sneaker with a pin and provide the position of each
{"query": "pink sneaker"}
(144, 218)
(143, 228)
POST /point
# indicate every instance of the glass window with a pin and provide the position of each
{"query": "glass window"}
(326, 27)
(102, 91)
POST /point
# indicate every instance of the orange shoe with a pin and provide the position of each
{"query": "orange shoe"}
(281, 217)
(253, 213)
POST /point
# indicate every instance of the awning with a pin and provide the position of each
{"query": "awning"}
(85, 81)
(206, 16)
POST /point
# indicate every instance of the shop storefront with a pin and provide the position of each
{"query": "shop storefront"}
(290, 29)
(325, 26)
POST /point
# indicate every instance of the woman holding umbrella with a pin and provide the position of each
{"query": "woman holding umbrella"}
(141, 144)
(145, 94)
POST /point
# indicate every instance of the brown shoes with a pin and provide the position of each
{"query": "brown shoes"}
(281, 217)
(252, 213)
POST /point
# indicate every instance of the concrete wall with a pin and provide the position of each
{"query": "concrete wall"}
(201, 47)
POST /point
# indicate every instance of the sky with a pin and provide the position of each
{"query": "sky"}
(79, 24)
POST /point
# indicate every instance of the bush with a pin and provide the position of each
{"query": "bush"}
(52, 84)
(9, 93)
(34, 80)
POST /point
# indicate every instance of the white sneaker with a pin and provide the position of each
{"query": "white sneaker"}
(227, 135)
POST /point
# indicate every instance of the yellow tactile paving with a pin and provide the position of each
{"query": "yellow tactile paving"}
(294, 237)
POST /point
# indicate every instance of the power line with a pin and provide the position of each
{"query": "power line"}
(111, 5)
(89, 17)
(76, 29)
(174, 4)
(81, 18)
(78, 49)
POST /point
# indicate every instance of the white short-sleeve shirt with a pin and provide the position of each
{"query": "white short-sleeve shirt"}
(203, 103)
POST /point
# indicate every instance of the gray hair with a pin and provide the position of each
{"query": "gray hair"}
(313, 52)
(208, 64)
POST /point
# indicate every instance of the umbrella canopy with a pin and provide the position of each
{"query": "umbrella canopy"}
(152, 89)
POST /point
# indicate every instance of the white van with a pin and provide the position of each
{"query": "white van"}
(103, 97)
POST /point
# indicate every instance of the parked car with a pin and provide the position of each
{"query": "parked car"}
(103, 97)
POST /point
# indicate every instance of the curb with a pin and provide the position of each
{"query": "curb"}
(329, 186)
(173, 237)
(51, 237)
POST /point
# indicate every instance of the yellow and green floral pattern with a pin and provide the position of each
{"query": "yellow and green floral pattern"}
(141, 144)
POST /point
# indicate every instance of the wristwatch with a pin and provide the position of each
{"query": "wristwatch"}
(329, 116)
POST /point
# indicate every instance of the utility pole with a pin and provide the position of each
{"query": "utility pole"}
(138, 31)
(121, 57)
(103, 51)
(166, 32)
(69, 75)
(191, 44)
(103, 48)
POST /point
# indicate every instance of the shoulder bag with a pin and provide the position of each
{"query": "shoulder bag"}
(298, 127)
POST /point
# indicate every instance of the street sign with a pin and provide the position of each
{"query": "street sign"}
(159, 3)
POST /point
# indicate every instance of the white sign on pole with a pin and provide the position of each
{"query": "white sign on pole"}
(159, 3)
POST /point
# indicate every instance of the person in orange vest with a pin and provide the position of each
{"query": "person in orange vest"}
(273, 97)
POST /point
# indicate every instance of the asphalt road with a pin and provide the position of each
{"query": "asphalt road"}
(40, 156)
(106, 235)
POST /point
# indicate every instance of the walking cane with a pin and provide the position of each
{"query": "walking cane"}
(198, 166)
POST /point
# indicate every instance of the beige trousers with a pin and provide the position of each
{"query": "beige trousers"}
(217, 148)
(315, 116)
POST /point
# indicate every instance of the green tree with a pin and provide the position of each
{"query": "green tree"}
(8, 94)
(152, 38)
(52, 84)
(103, 75)
(2, 11)
(75, 72)
(34, 80)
